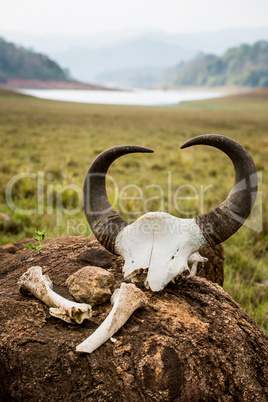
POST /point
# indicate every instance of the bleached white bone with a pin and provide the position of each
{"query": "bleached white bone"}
(193, 262)
(40, 286)
(125, 301)
(161, 243)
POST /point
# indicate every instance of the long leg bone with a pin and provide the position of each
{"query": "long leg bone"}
(40, 286)
(125, 301)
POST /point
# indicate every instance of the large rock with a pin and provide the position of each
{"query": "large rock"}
(213, 269)
(97, 256)
(192, 342)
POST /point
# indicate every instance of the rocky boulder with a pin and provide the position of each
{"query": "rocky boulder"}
(192, 342)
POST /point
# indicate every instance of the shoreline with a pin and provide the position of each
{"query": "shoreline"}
(226, 89)
(18, 83)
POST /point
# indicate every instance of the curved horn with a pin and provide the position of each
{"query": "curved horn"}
(223, 221)
(103, 220)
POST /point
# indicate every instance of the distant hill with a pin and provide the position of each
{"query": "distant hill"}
(107, 56)
(244, 65)
(131, 77)
(139, 62)
(18, 62)
(23, 68)
(100, 64)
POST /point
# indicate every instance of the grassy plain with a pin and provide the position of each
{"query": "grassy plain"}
(59, 140)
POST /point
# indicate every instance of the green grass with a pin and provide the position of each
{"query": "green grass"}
(63, 138)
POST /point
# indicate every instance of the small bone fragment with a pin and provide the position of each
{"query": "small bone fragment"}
(40, 286)
(125, 301)
(193, 261)
(91, 285)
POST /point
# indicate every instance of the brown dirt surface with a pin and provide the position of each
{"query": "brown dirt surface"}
(261, 91)
(191, 343)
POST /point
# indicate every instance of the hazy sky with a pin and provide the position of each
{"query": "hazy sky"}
(97, 16)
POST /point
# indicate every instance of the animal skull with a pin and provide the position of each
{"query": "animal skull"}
(161, 243)
(158, 242)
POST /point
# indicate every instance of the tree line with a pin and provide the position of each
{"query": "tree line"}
(18, 62)
(244, 65)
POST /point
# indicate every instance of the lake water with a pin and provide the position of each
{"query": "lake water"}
(135, 97)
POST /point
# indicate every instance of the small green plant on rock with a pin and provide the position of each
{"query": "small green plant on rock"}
(38, 236)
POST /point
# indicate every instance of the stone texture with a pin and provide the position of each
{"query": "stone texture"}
(97, 257)
(213, 269)
(91, 285)
(8, 248)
